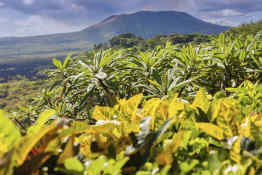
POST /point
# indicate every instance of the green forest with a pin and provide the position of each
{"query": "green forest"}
(172, 104)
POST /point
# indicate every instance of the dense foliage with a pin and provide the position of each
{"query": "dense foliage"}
(211, 135)
(104, 76)
(176, 109)
(247, 29)
(131, 41)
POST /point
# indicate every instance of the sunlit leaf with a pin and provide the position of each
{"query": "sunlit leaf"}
(74, 165)
(58, 63)
(201, 100)
(41, 121)
(9, 133)
(27, 143)
(68, 151)
(211, 130)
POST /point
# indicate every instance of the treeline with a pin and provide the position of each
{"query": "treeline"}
(129, 40)
(247, 29)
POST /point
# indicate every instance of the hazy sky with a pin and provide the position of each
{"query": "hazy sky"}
(37, 17)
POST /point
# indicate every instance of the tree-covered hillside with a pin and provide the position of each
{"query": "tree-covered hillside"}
(131, 41)
(247, 29)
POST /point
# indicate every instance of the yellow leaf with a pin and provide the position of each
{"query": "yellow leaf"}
(245, 128)
(201, 100)
(103, 113)
(27, 143)
(257, 119)
(227, 114)
(43, 118)
(9, 133)
(174, 107)
(68, 151)
(163, 110)
(149, 109)
(76, 127)
(252, 171)
(177, 138)
(127, 127)
(235, 151)
(3, 149)
(132, 105)
(211, 130)
(164, 158)
(85, 144)
(150, 106)
(124, 110)
(102, 128)
(224, 107)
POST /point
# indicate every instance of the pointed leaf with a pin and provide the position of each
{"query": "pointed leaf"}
(41, 121)
(211, 130)
(58, 63)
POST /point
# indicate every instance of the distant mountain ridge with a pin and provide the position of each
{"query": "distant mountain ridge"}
(145, 24)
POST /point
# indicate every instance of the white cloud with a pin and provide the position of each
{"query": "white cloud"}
(229, 17)
(28, 2)
(38, 25)
(226, 13)
(179, 5)
(14, 23)
(220, 21)
(76, 7)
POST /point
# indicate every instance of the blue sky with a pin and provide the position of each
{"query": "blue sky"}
(38, 17)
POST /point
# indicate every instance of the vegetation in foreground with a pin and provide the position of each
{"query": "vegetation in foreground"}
(179, 109)
(211, 135)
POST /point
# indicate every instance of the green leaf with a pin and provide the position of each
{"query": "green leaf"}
(213, 161)
(67, 61)
(188, 166)
(97, 165)
(74, 165)
(154, 83)
(163, 129)
(58, 63)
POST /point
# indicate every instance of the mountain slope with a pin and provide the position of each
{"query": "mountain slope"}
(145, 24)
